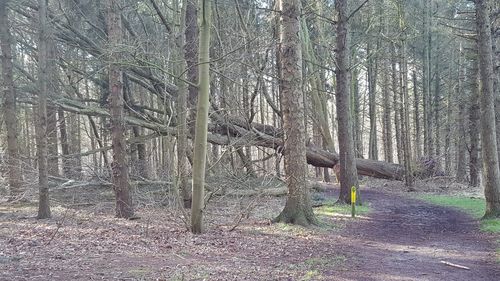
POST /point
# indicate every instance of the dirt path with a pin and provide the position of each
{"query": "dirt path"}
(401, 239)
(406, 239)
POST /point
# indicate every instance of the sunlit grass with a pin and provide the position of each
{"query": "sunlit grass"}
(315, 265)
(333, 209)
(473, 206)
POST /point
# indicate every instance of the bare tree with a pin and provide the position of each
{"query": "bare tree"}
(488, 130)
(121, 185)
(201, 127)
(9, 105)
(348, 171)
(298, 208)
(41, 128)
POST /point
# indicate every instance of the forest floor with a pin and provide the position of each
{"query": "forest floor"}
(397, 237)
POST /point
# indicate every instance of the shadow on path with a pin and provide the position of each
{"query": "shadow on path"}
(406, 239)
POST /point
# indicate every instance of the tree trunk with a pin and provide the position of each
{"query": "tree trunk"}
(355, 113)
(318, 99)
(182, 107)
(461, 145)
(9, 106)
(201, 127)
(191, 53)
(437, 117)
(416, 115)
(75, 145)
(53, 161)
(426, 79)
(449, 134)
(396, 94)
(66, 163)
(121, 185)
(488, 132)
(405, 104)
(372, 102)
(388, 148)
(298, 207)
(53, 147)
(474, 126)
(348, 171)
(41, 128)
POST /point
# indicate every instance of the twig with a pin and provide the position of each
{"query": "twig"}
(59, 225)
(455, 265)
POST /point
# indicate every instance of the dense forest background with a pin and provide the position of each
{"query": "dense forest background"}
(119, 91)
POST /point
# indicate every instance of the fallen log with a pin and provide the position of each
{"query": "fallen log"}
(241, 134)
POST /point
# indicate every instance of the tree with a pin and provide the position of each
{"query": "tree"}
(461, 173)
(348, 171)
(182, 107)
(120, 177)
(372, 69)
(488, 130)
(201, 126)
(405, 102)
(298, 208)
(9, 105)
(427, 80)
(41, 128)
(474, 126)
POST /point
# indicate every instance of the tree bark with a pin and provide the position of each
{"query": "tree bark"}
(396, 95)
(405, 104)
(298, 207)
(416, 115)
(356, 112)
(53, 143)
(348, 171)
(182, 130)
(461, 173)
(474, 126)
(436, 110)
(191, 53)
(201, 126)
(9, 105)
(121, 185)
(52, 162)
(41, 128)
(426, 80)
(372, 93)
(388, 148)
(488, 130)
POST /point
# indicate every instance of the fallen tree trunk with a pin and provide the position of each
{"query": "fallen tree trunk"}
(377, 169)
(225, 130)
(238, 134)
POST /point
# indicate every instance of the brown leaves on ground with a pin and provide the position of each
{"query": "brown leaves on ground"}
(89, 244)
(400, 239)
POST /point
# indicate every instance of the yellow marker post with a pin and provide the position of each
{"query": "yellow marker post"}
(353, 201)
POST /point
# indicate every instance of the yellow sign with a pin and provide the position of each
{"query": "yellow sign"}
(353, 201)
